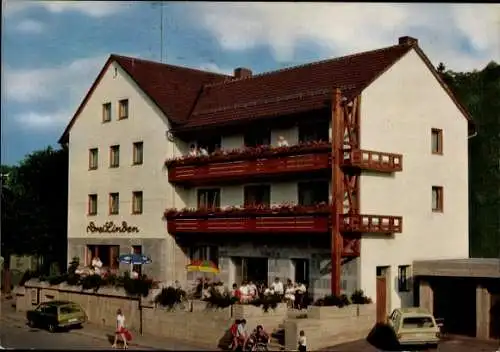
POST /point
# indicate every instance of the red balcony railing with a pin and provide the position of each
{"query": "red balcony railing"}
(268, 224)
(373, 161)
(283, 218)
(248, 168)
(372, 223)
(258, 219)
(251, 162)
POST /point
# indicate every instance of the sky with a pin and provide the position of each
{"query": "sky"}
(53, 50)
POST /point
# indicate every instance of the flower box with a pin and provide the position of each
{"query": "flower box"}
(260, 152)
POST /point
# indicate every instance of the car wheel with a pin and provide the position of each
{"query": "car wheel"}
(31, 323)
(52, 328)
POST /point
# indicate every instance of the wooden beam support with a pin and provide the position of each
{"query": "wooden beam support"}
(337, 189)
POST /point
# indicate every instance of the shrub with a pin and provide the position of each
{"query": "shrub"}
(91, 282)
(358, 297)
(111, 280)
(73, 265)
(137, 287)
(333, 301)
(267, 302)
(169, 297)
(73, 279)
(217, 300)
(57, 279)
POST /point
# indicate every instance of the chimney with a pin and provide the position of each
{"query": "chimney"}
(242, 72)
(406, 40)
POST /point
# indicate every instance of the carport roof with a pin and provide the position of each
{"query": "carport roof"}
(467, 267)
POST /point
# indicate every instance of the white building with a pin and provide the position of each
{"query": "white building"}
(156, 112)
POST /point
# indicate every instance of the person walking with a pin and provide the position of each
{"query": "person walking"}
(121, 331)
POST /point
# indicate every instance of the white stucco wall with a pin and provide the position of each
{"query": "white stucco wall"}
(233, 195)
(398, 112)
(145, 123)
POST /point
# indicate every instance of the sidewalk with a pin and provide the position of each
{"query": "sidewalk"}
(95, 331)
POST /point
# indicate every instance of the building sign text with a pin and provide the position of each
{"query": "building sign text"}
(111, 227)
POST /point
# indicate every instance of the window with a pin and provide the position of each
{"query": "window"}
(106, 112)
(107, 254)
(114, 156)
(204, 253)
(137, 202)
(257, 195)
(137, 156)
(209, 198)
(123, 109)
(137, 268)
(93, 158)
(404, 278)
(314, 131)
(311, 193)
(114, 203)
(418, 322)
(437, 141)
(255, 138)
(49, 310)
(210, 143)
(437, 199)
(92, 207)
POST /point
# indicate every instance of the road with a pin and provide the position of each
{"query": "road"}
(452, 344)
(14, 334)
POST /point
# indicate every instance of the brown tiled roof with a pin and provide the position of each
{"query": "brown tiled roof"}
(174, 89)
(306, 87)
(194, 99)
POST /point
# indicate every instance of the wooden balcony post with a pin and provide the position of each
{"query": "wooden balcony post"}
(337, 190)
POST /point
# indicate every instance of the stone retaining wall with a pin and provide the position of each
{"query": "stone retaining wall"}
(324, 326)
(194, 322)
(328, 326)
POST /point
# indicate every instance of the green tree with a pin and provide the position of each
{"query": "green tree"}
(35, 202)
(479, 91)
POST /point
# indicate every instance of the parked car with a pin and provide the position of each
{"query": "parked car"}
(56, 314)
(414, 326)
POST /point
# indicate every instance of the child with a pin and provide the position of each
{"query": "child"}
(302, 341)
(234, 334)
(121, 331)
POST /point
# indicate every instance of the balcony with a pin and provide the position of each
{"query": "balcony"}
(262, 162)
(280, 219)
(373, 161)
(284, 219)
(372, 223)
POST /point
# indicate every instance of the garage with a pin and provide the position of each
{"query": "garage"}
(464, 292)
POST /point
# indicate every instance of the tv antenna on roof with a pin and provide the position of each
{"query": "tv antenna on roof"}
(161, 32)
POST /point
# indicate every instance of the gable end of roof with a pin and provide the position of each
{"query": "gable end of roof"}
(65, 135)
(447, 89)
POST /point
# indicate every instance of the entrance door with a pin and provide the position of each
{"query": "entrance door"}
(238, 270)
(256, 270)
(301, 271)
(381, 299)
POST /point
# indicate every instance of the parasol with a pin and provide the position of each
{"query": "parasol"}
(203, 266)
(134, 259)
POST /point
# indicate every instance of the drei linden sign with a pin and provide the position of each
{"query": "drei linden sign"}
(111, 227)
